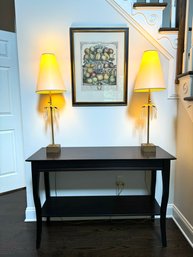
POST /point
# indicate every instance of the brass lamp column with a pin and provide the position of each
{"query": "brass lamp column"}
(50, 82)
(51, 118)
(149, 79)
(148, 116)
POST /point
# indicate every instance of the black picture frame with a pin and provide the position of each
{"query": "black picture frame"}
(99, 66)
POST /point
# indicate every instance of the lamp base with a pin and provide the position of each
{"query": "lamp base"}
(53, 149)
(148, 148)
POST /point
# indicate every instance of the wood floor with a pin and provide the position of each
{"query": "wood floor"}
(123, 238)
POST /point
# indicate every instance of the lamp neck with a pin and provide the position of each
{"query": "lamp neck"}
(51, 117)
(148, 115)
(149, 98)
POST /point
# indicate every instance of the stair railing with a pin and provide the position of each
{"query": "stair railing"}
(169, 13)
(178, 15)
(181, 21)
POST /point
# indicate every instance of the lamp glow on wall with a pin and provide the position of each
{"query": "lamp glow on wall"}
(149, 79)
(50, 82)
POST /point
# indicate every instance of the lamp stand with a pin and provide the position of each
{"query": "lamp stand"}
(148, 147)
(52, 148)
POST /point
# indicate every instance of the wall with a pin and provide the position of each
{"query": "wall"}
(43, 26)
(183, 210)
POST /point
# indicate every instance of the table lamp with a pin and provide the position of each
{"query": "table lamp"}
(50, 82)
(149, 79)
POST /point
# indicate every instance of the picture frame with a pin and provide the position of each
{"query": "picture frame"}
(99, 66)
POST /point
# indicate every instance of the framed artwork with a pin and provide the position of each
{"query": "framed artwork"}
(99, 64)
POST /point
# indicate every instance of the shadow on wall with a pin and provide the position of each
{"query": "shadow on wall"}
(136, 112)
(58, 101)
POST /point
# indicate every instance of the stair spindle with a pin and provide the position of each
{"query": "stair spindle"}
(191, 51)
(185, 54)
(173, 14)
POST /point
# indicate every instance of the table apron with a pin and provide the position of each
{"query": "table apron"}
(84, 165)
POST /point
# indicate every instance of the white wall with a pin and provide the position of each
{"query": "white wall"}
(43, 26)
(183, 208)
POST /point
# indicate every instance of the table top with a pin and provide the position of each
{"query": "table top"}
(101, 153)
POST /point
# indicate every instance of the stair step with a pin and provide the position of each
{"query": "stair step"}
(165, 30)
(185, 74)
(170, 30)
(189, 98)
(149, 5)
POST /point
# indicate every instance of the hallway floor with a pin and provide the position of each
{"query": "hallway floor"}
(117, 238)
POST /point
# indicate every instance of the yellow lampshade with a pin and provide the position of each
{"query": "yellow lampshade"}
(150, 76)
(49, 78)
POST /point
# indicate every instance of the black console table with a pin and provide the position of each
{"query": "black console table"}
(100, 158)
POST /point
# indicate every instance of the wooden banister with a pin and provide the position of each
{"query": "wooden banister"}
(177, 13)
(180, 19)
(178, 22)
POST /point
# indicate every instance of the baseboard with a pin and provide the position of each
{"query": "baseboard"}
(30, 215)
(169, 213)
(172, 212)
(183, 224)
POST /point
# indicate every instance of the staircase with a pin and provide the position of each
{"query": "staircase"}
(167, 24)
(185, 78)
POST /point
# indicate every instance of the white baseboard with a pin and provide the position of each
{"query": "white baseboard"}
(169, 213)
(30, 215)
(183, 224)
(172, 212)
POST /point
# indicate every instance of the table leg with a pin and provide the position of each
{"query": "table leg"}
(164, 202)
(153, 183)
(37, 203)
(47, 188)
(47, 184)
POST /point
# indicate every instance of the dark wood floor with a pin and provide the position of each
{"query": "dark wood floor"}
(123, 238)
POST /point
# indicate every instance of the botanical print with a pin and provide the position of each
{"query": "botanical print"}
(99, 65)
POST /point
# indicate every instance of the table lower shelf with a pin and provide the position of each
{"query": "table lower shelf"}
(89, 206)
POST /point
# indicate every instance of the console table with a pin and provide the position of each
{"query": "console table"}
(100, 158)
